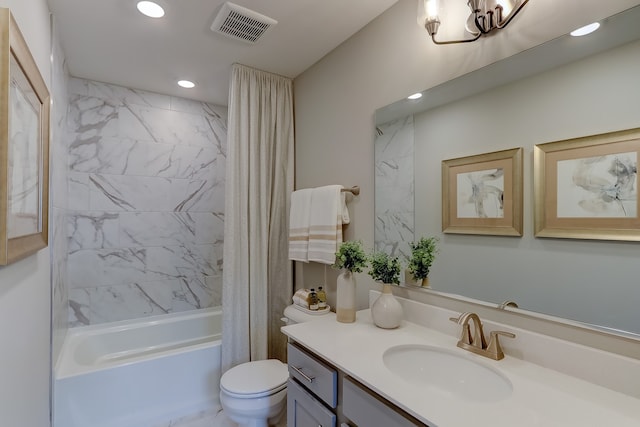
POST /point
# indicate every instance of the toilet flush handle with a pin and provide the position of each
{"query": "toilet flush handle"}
(302, 374)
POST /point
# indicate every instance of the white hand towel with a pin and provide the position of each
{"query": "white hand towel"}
(299, 225)
(325, 223)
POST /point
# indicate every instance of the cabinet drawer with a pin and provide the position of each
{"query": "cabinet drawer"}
(303, 410)
(365, 409)
(315, 375)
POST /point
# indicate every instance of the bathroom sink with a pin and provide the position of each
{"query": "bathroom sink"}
(447, 373)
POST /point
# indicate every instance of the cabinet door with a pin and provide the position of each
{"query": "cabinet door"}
(303, 410)
(367, 410)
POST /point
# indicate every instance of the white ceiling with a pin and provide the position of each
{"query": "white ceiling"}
(110, 41)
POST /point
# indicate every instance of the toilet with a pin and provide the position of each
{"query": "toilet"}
(254, 394)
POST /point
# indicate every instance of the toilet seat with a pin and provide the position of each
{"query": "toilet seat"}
(255, 379)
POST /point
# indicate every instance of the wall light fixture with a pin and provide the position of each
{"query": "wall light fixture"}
(486, 16)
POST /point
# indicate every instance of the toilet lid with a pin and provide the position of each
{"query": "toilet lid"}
(255, 378)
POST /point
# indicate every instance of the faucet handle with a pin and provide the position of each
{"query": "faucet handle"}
(494, 348)
(465, 336)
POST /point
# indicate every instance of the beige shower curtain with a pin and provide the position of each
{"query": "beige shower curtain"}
(259, 181)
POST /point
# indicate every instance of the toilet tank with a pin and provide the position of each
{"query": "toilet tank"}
(293, 315)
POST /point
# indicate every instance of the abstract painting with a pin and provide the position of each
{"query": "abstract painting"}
(602, 186)
(24, 147)
(482, 194)
(588, 187)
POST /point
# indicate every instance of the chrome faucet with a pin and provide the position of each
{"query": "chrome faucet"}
(476, 342)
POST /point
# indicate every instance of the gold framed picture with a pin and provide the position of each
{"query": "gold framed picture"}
(482, 194)
(24, 147)
(587, 188)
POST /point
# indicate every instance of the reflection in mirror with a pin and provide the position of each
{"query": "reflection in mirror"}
(567, 88)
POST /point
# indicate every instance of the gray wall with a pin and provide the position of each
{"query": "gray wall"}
(25, 293)
(589, 281)
(389, 59)
(146, 200)
(58, 197)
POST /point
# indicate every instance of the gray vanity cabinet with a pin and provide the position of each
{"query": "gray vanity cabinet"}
(304, 410)
(365, 409)
(319, 395)
(312, 390)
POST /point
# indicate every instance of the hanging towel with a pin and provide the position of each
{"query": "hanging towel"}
(328, 213)
(299, 225)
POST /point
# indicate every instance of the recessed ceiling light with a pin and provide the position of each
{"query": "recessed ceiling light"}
(186, 84)
(587, 29)
(415, 96)
(151, 9)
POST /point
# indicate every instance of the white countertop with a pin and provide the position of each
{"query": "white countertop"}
(541, 396)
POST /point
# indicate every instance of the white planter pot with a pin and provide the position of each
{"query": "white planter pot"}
(410, 280)
(346, 297)
(386, 311)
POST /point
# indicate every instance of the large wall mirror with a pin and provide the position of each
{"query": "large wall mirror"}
(566, 88)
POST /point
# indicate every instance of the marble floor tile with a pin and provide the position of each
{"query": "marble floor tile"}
(206, 419)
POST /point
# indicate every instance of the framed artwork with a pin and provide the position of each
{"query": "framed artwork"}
(587, 188)
(482, 194)
(24, 147)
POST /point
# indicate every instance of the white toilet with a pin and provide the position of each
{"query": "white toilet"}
(254, 394)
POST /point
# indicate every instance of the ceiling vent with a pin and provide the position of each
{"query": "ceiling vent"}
(241, 23)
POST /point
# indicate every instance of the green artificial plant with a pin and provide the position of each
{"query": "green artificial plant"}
(351, 256)
(423, 252)
(384, 268)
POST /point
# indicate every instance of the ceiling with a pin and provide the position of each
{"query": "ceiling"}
(110, 41)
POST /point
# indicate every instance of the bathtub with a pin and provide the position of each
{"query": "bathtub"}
(139, 373)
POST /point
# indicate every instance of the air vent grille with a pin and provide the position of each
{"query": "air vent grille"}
(241, 23)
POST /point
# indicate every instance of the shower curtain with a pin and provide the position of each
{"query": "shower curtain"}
(259, 180)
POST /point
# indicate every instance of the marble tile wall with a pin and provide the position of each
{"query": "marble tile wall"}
(394, 197)
(58, 194)
(146, 200)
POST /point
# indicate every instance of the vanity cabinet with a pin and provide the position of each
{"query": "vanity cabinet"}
(364, 408)
(304, 410)
(320, 395)
(312, 390)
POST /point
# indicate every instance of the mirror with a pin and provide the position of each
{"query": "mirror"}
(566, 88)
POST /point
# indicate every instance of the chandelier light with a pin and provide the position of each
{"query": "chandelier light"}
(486, 16)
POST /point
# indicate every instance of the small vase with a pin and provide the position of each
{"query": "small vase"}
(410, 280)
(346, 297)
(386, 311)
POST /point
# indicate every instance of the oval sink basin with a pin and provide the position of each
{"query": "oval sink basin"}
(447, 373)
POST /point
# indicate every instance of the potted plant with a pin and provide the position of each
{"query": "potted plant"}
(423, 252)
(386, 311)
(385, 268)
(350, 258)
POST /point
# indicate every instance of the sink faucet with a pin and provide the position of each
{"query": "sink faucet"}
(477, 343)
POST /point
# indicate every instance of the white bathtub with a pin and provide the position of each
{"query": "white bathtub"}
(139, 373)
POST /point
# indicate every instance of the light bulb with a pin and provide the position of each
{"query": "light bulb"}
(422, 13)
(427, 11)
(432, 9)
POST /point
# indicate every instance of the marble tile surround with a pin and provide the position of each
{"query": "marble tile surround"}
(146, 200)
(394, 207)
